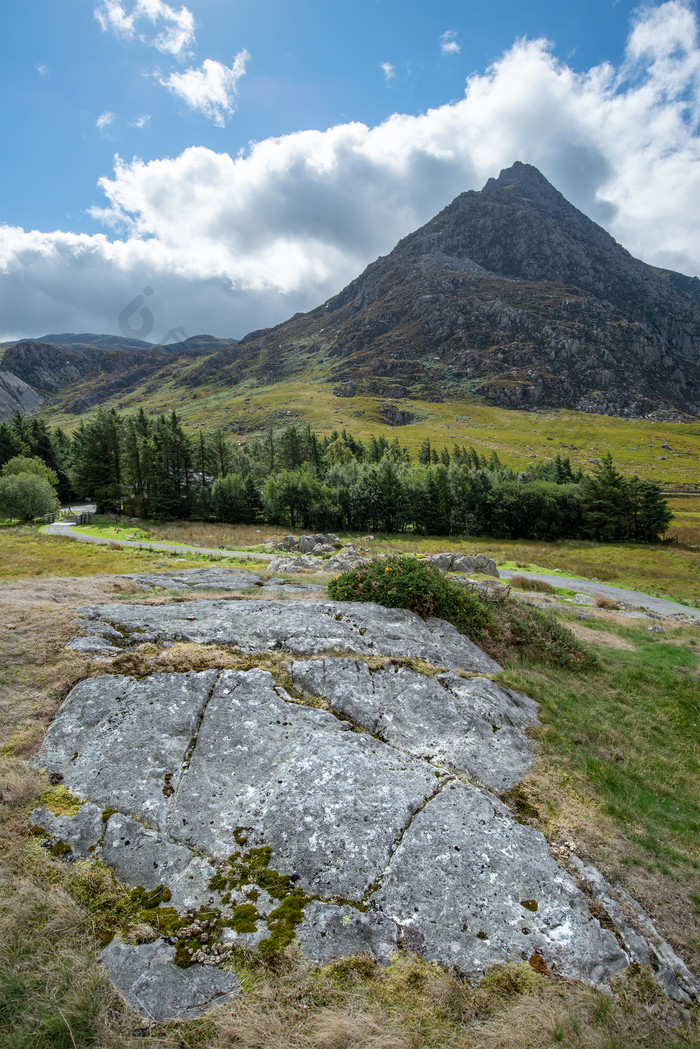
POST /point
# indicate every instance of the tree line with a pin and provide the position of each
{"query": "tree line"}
(150, 467)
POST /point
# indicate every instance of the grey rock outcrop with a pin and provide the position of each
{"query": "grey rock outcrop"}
(471, 725)
(145, 857)
(347, 818)
(16, 395)
(198, 579)
(301, 628)
(234, 796)
(331, 931)
(491, 891)
(468, 563)
(82, 831)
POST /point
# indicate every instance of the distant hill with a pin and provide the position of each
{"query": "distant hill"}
(90, 340)
(69, 340)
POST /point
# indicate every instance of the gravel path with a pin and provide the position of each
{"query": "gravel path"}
(581, 586)
(629, 597)
(65, 529)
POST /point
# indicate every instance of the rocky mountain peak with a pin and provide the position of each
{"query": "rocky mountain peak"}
(527, 181)
(514, 292)
(509, 292)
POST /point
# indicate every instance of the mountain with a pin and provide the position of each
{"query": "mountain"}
(509, 293)
(16, 396)
(83, 375)
(69, 340)
(513, 293)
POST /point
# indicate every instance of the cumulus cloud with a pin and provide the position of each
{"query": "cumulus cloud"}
(448, 43)
(211, 90)
(175, 28)
(43, 70)
(104, 120)
(141, 121)
(388, 70)
(231, 243)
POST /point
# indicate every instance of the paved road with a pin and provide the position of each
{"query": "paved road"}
(581, 586)
(629, 597)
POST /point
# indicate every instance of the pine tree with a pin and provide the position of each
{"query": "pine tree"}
(605, 502)
(97, 460)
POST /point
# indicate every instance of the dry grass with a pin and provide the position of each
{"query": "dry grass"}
(685, 526)
(538, 586)
(605, 602)
(600, 637)
(212, 533)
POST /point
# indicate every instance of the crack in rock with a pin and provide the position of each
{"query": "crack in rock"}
(473, 725)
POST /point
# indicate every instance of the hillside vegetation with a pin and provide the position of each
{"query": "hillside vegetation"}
(662, 450)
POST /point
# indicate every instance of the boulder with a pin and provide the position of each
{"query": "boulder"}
(475, 563)
(441, 561)
(306, 543)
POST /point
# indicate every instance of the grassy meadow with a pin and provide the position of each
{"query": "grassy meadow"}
(670, 570)
(25, 552)
(617, 778)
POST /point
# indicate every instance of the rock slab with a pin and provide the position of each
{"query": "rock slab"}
(302, 628)
(147, 977)
(472, 725)
(357, 819)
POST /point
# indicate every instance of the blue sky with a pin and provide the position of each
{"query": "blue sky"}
(247, 159)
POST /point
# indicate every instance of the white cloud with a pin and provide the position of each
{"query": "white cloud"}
(175, 27)
(448, 43)
(104, 120)
(232, 243)
(43, 70)
(211, 90)
(140, 122)
(388, 70)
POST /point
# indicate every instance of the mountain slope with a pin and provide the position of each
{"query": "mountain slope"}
(513, 293)
(510, 293)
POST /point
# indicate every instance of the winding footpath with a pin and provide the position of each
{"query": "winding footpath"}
(636, 598)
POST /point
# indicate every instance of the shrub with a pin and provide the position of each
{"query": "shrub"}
(405, 582)
(501, 626)
(25, 496)
(535, 636)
